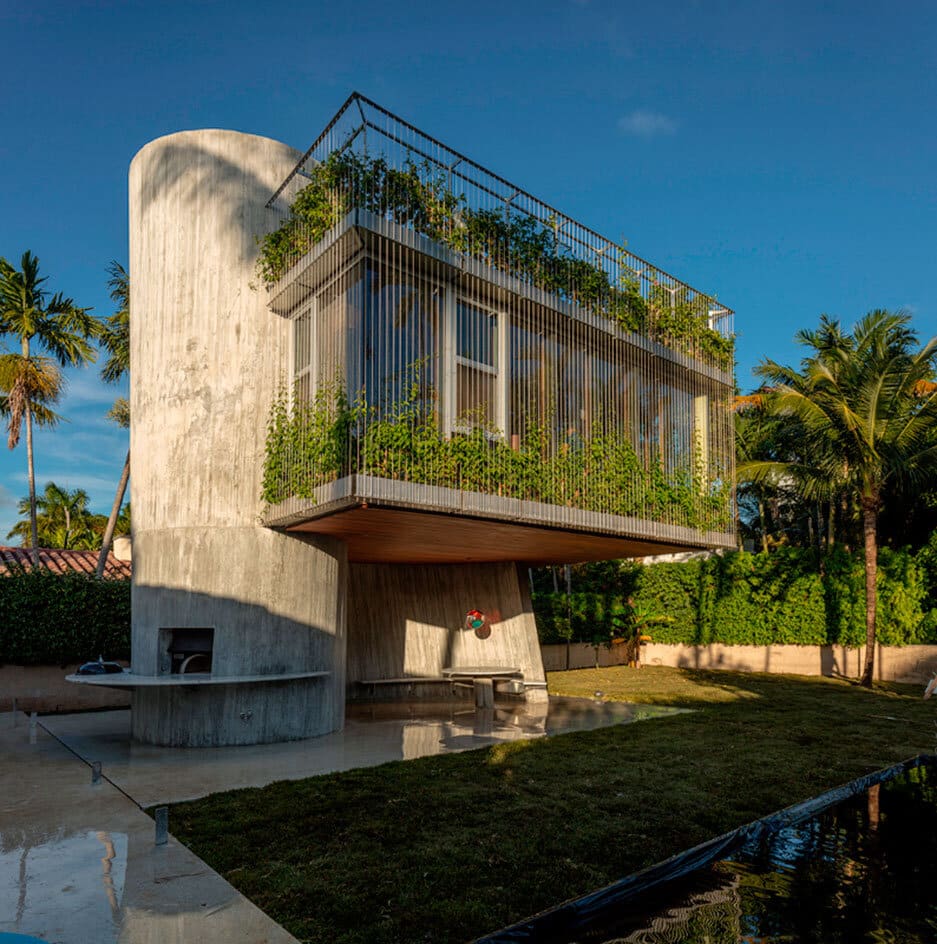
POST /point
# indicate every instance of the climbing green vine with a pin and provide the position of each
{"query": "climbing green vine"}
(309, 444)
(418, 198)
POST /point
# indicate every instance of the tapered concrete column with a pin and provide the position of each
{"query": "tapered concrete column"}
(408, 621)
(206, 358)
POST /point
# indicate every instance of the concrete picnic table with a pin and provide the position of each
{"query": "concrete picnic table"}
(483, 679)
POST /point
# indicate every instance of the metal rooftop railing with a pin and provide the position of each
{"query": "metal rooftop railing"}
(368, 130)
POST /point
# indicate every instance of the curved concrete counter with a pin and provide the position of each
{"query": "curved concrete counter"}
(132, 680)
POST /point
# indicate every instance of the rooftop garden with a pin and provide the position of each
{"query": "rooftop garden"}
(421, 197)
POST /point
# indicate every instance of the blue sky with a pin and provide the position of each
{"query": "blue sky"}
(780, 155)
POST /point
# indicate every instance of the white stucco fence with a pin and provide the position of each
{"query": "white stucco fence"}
(913, 664)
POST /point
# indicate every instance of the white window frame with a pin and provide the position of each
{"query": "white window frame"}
(307, 308)
(452, 361)
(311, 307)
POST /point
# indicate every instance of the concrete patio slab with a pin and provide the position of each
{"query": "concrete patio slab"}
(78, 862)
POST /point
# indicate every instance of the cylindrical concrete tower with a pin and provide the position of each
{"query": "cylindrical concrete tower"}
(257, 611)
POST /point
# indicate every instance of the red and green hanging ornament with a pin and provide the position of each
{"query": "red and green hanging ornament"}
(478, 623)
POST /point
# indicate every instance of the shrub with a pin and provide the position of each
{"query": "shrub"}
(52, 619)
(751, 599)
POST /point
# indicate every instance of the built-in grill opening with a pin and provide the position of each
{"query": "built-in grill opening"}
(186, 651)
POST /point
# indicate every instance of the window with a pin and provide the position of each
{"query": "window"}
(477, 389)
(392, 345)
(330, 332)
(320, 336)
(302, 355)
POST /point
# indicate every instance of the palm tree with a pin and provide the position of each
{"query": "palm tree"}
(29, 385)
(35, 382)
(66, 509)
(778, 487)
(868, 422)
(54, 325)
(759, 441)
(115, 339)
(62, 516)
(115, 335)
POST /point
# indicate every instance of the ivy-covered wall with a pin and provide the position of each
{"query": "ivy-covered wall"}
(745, 599)
(57, 619)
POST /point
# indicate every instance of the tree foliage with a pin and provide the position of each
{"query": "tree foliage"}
(63, 519)
(866, 423)
(115, 339)
(115, 331)
(47, 328)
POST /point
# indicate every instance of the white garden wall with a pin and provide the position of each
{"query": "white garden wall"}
(914, 664)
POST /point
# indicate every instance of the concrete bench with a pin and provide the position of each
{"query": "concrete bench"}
(409, 681)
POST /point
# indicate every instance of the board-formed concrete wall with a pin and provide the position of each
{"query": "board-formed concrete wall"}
(207, 356)
(408, 620)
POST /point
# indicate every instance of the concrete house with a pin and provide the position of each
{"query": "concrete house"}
(372, 383)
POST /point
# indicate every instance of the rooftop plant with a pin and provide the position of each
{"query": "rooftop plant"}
(419, 198)
(311, 443)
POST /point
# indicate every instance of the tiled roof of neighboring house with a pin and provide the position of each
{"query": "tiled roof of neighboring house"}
(62, 562)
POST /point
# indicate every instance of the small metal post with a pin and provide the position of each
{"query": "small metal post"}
(96, 772)
(162, 825)
(33, 726)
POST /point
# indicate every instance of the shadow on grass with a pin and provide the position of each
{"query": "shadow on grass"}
(692, 688)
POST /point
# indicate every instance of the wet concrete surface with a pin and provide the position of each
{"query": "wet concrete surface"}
(78, 863)
(373, 734)
(78, 860)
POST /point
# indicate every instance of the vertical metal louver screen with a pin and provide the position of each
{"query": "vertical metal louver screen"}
(451, 331)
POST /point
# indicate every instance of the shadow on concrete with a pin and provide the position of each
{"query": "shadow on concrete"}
(408, 620)
(181, 169)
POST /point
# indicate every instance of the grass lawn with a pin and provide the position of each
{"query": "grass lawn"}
(447, 848)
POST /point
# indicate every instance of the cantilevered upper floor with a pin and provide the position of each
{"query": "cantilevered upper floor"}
(476, 376)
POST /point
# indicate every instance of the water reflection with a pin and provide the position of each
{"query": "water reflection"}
(374, 734)
(864, 870)
(67, 889)
(431, 727)
(78, 864)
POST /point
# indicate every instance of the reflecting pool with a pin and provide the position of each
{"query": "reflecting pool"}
(865, 870)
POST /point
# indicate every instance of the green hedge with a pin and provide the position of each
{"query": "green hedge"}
(748, 599)
(51, 619)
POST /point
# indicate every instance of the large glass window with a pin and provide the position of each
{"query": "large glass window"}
(320, 337)
(477, 334)
(331, 329)
(528, 389)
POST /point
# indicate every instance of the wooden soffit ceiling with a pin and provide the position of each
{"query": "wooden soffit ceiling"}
(393, 535)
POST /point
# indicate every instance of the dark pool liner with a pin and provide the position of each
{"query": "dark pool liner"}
(579, 915)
